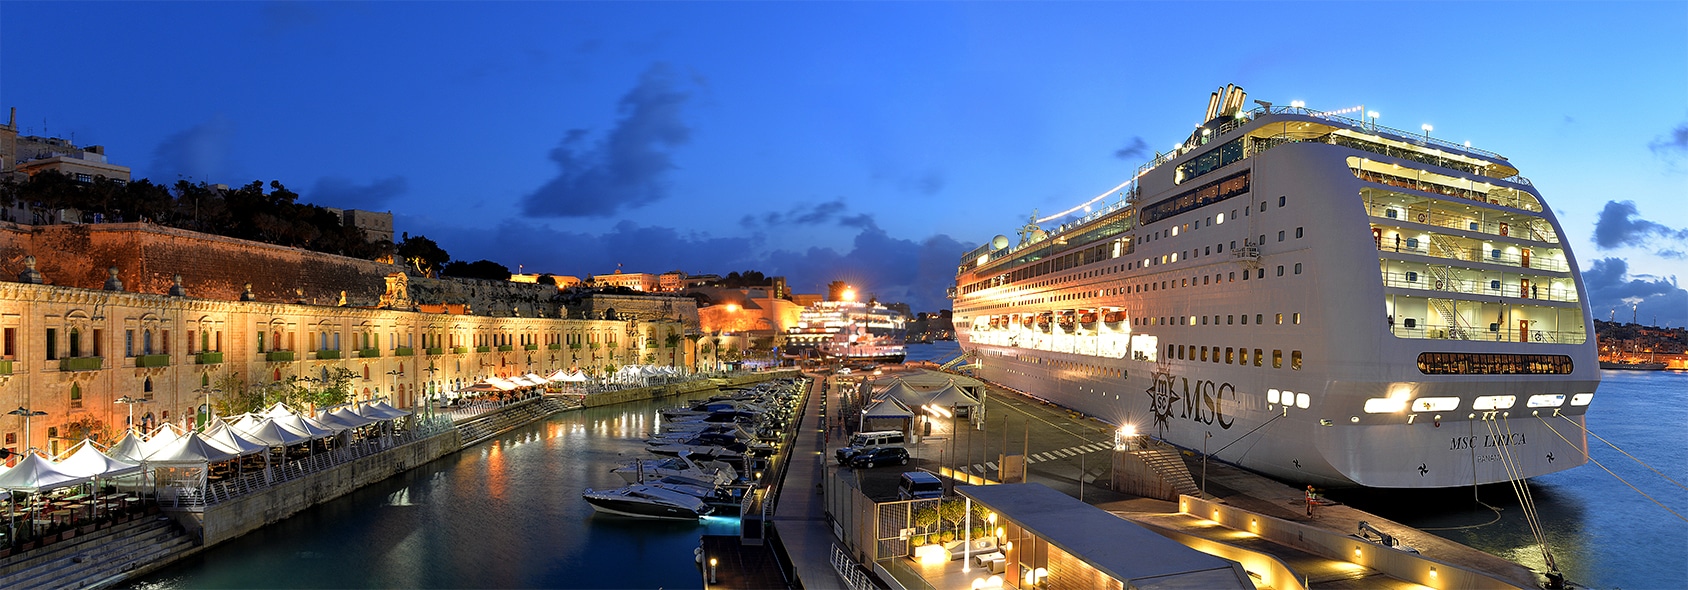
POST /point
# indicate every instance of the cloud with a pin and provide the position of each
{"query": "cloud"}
(1134, 150)
(1610, 287)
(926, 182)
(1617, 227)
(626, 168)
(802, 214)
(198, 152)
(339, 192)
(915, 271)
(1676, 141)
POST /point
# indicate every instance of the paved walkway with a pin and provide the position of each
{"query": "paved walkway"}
(800, 516)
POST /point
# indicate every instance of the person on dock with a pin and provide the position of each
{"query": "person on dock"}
(1310, 497)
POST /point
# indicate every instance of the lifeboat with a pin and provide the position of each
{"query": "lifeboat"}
(1114, 317)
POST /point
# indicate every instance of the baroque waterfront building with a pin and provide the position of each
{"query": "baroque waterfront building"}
(1309, 295)
(170, 320)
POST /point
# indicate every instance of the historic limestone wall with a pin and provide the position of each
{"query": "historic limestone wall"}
(212, 267)
(484, 297)
(644, 307)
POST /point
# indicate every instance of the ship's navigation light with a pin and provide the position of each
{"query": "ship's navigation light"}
(1298, 104)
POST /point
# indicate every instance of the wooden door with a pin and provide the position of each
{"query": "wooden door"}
(1523, 330)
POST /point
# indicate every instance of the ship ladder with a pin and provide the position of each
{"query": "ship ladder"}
(957, 361)
(1526, 501)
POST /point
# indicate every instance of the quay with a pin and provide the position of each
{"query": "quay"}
(827, 534)
(161, 532)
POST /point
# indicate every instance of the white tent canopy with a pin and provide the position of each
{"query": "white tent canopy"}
(35, 474)
(272, 434)
(190, 450)
(84, 460)
(129, 448)
(391, 411)
(888, 408)
(307, 427)
(278, 410)
(226, 438)
(160, 438)
(347, 417)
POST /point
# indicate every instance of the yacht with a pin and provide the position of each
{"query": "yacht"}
(647, 501)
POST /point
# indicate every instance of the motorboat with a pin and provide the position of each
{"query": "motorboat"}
(719, 446)
(647, 501)
(644, 470)
(714, 495)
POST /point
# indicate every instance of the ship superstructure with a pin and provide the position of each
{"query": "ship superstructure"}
(1313, 296)
(849, 331)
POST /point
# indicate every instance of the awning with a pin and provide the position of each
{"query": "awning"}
(36, 474)
(85, 460)
(226, 438)
(188, 451)
(270, 433)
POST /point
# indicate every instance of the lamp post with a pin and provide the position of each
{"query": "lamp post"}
(26, 413)
(210, 413)
(428, 393)
(393, 382)
(130, 401)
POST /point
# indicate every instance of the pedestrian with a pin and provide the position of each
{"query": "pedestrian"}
(1310, 500)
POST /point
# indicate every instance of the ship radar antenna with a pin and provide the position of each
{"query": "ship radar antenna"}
(1031, 232)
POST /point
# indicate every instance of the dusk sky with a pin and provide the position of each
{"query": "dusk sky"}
(868, 142)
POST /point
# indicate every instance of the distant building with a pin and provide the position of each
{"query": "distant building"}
(672, 281)
(562, 281)
(28, 155)
(376, 226)
(807, 299)
(637, 281)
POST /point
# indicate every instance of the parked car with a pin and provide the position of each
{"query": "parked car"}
(862, 441)
(919, 485)
(880, 456)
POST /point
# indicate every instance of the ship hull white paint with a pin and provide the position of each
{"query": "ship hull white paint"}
(1323, 236)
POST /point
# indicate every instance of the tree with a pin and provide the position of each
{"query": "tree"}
(547, 279)
(422, 254)
(86, 426)
(235, 397)
(479, 269)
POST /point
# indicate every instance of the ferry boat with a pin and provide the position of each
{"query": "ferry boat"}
(1307, 294)
(849, 331)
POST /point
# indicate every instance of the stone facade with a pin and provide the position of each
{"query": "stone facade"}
(641, 307)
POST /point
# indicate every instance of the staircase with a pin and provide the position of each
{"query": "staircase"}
(957, 361)
(508, 418)
(1171, 469)
(101, 559)
(1444, 247)
(1456, 325)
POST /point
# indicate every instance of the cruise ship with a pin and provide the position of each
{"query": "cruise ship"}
(849, 331)
(1306, 294)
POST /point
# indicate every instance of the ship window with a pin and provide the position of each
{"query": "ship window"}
(1281, 201)
(1232, 277)
(1297, 268)
(1259, 318)
(1260, 273)
(1296, 318)
(1262, 206)
(1412, 243)
(1277, 359)
(1262, 238)
(1295, 360)
(1229, 355)
(1280, 270)
(1280, 235)
(1257, 357)
(1242, 356)
(1229, 319)
(1233, 244)
(1206, 251)
(1298, 233)
(1204, 353)
(1245, 319)
(1204, 322)
(1412, 277)
(1245, 275)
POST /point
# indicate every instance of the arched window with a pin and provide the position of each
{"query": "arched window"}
(276, 341)
(324, 375)
(276, 376)
(75, 342)
(75, 395)
(146, 386)
(366, 372)
(205, 379)
(146, 341)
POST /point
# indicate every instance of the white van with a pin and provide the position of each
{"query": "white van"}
(867, 440)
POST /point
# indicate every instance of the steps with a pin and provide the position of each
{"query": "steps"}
(105, 557)
(1171, 468)
(497, 423)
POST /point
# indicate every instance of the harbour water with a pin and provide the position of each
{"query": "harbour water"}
(508, 513)
(505, 513)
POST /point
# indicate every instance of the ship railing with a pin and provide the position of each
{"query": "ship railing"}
(1454, 220)
(1416, 138)
(1430, 282)
(1492, 334)
(1492, 256)
(1504, 196)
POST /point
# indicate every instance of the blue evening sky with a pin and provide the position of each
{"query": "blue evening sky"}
(870, 142)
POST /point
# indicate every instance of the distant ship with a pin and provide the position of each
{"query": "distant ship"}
(849, 331)
(1308, 295)
(1633, 365)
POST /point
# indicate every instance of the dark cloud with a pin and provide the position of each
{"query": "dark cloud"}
(1617, 226)
(916, 271)
(926, 183)
(802, 214)
(1134, 150)
(199, 152)
(627, 167)
(1676, 142)
(1610, 287)
(341, 193)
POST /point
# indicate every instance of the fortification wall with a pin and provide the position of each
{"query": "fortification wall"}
(212, 267)
(644, 307)
(484, 297)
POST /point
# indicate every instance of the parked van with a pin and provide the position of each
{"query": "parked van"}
(867, 440)
(919, 485)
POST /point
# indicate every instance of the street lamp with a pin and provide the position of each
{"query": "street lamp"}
(130, 401)
(26, 413)
(428, 393)
(393, 383)
(210, 412)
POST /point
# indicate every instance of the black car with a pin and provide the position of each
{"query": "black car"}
(880, 456)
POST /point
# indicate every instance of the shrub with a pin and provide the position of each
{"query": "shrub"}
(948, 536)
(918, 540)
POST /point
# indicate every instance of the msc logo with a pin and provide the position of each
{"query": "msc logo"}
(1204, 401)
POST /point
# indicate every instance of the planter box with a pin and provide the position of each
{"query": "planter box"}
(5, 367)
(327, 355)
(483, 349)
(460, 350)
(504, 348)
(530, 347)
(436, 351)
(552, 346)
(152, 360)
(91, 363)
(369, 353)
(404, 351)
(279, 356)
(209, 358)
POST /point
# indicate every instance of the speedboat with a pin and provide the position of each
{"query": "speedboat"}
(644, 470)
(714, 446)
(647, 501)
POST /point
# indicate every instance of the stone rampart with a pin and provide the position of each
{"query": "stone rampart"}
(496, 298)
(644, 307)
(660, 391)
(212, 267)
(237, 517)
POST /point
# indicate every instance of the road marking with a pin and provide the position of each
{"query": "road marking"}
(1066, 453)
